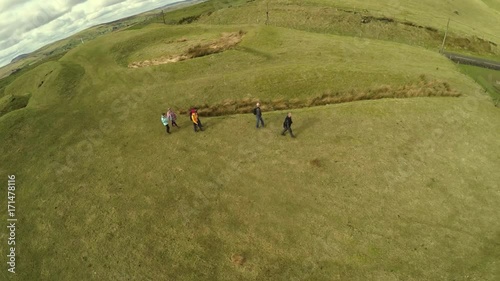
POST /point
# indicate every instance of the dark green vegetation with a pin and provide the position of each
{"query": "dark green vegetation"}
(488, 78)
(389, 189)
(10, 103)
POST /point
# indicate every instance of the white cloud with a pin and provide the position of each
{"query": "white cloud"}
(28, 25)
(7, 4)
(106, 3)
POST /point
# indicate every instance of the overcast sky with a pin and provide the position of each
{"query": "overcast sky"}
(27, 25)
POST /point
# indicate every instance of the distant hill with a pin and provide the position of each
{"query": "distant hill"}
(20, 57)
(62, 46)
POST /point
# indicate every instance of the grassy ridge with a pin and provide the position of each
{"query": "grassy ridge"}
(398, 25)
(480, 16)
(270, 63)
(422, 89)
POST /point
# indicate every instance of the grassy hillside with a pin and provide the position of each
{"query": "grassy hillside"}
(380, 190)
(421, 23)
(390, 189)
(270, 63)
(60, 47)
(478, 15)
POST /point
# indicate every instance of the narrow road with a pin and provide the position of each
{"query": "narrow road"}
(473, 61)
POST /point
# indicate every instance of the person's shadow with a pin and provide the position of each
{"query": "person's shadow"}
(214, 122)
(304, 125)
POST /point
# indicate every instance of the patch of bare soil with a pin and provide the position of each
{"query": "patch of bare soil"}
(238, 259)
(225, 42)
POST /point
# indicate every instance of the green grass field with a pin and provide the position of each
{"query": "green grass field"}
(389, 189)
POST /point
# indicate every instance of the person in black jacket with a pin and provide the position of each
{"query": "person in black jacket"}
(287, 125)
(258, 114)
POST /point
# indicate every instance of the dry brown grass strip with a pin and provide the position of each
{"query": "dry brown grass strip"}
(423, 88)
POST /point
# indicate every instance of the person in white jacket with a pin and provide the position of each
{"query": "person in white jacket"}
(171, 116)
(164, 120)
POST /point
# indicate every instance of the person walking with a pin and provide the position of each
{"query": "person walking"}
(196, 120)
(164, 120)
(171, 116)
(258, 114)
(287, 125)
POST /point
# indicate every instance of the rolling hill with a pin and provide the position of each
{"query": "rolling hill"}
(394, 177)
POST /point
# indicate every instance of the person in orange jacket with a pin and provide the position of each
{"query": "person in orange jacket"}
(195, 119)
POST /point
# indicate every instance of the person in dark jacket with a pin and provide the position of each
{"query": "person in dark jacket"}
(258, 114)
(287, 125)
